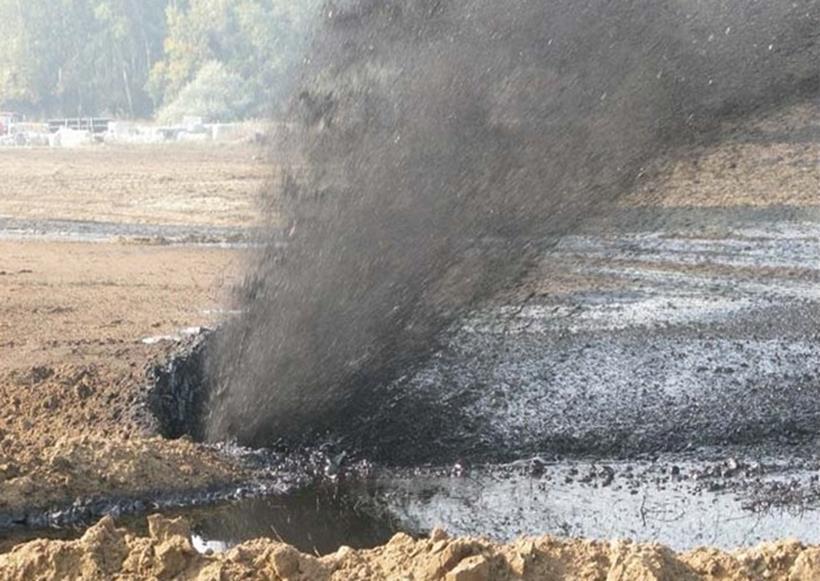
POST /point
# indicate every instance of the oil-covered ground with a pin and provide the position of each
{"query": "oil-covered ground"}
(661, 387)
(655, 378)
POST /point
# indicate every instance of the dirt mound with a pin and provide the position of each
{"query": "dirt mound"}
(106, 552)
(73, 427)
(83, 440)
(86, 466)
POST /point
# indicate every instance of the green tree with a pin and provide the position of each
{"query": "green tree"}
(79, 57)
(127, 57)
(127, 41)
(215, 94)
(260, 40)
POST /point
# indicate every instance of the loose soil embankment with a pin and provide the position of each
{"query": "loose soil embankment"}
(75, 316)
(166, 553)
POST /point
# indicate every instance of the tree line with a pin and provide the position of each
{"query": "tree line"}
(221, 59)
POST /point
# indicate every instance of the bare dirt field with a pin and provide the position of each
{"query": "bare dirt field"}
(75, 316)
(81, 321)
(64, 302)
(203, 184)
(763, 163)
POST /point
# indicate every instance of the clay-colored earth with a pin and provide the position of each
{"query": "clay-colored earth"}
(750, 174)
(206, 184)
(105, 552)
(766, 162)
(73, 317)
(72, 365)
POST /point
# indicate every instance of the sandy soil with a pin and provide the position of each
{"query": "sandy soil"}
(751, 174)
(213, 184)
(79, 303)
(72, 364)
(108, 553)
(768, 162)
(73, 316)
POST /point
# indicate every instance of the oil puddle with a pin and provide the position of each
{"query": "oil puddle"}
(669, 510)
(676, 501)
(97, 231)
(316, 520)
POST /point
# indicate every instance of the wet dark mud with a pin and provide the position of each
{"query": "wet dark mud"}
(668, 342)
(275, 475)
(704, 498)
(93, 231)
(176, 397)
(667, 393)
(675, 500)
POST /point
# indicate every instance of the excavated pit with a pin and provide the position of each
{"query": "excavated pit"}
(178, 391)
(667, 394)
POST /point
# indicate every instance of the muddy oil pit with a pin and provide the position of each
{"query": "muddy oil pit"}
(668, 392)
(674, 500)
(679, 503)
(659, 385)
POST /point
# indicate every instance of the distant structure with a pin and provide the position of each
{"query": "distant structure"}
(93, 125)
(7, 122)
(81, 131)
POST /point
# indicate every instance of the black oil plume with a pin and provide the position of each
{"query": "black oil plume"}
(439, 145)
